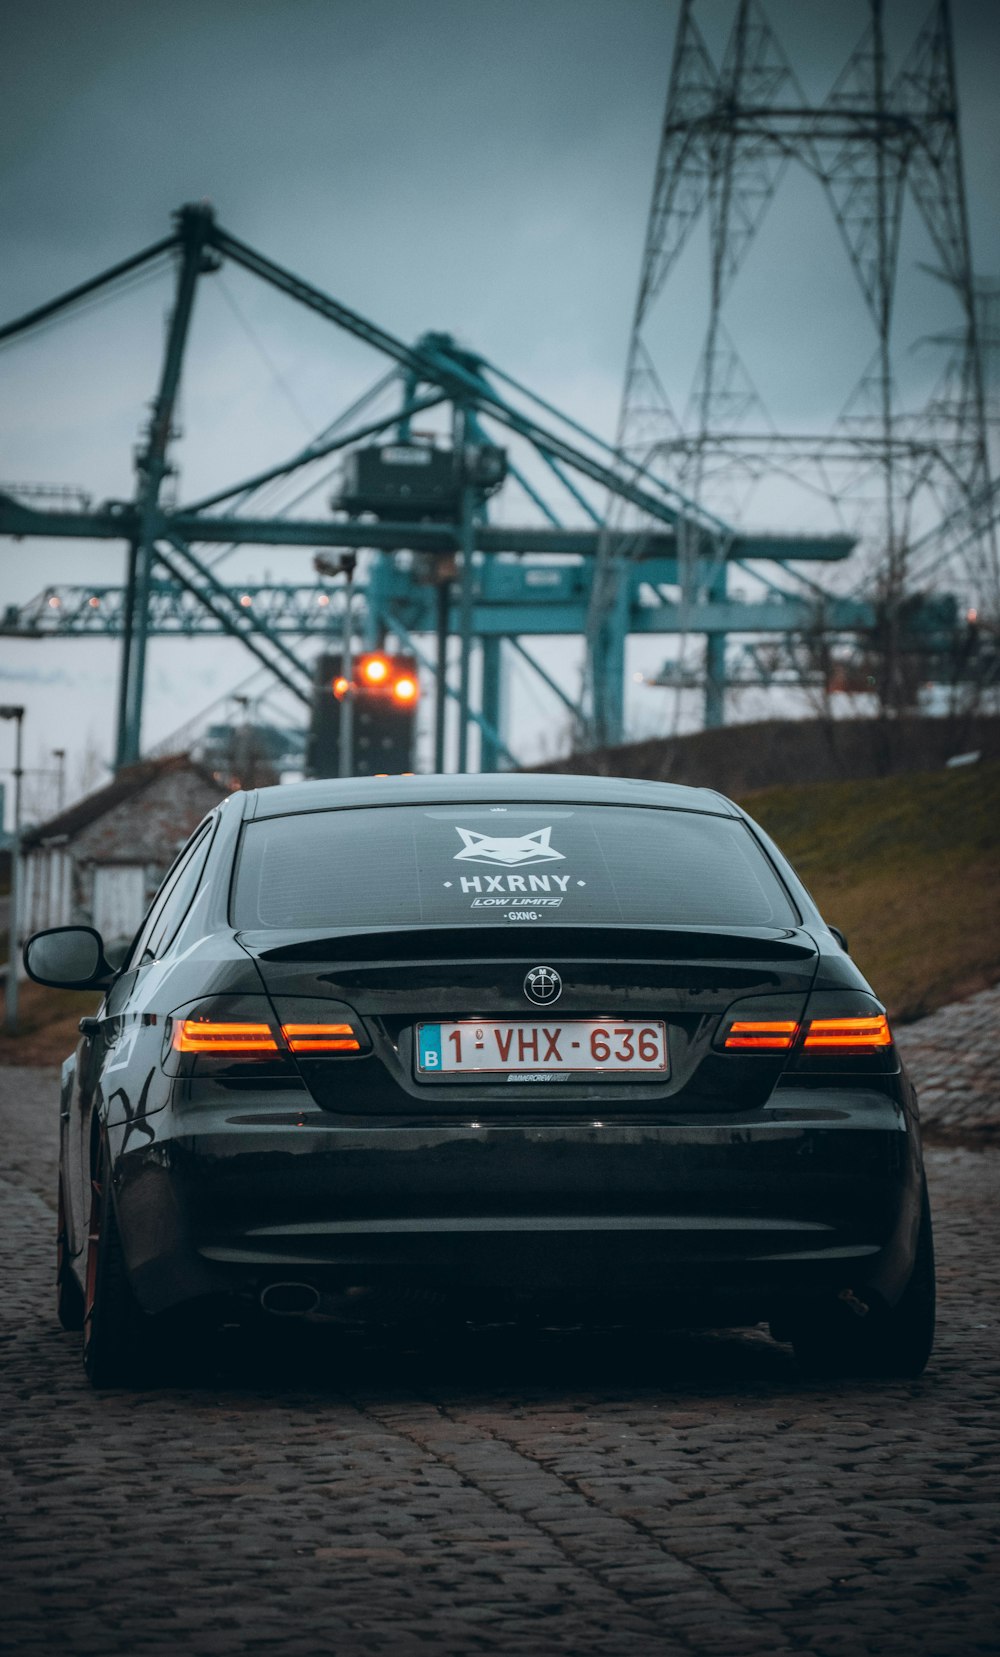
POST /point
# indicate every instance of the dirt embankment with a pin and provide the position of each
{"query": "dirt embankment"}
(909, 867)
(738, 758)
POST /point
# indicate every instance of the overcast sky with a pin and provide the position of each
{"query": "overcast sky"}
(479, 167)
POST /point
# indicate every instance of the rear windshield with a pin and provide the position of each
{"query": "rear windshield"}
(450, 865)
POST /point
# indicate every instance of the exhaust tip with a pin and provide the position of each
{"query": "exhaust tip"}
(289, 1300)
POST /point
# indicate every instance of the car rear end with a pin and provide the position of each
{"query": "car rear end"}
(516, 1054)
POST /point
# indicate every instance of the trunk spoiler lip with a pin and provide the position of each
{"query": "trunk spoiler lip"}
(413, 943)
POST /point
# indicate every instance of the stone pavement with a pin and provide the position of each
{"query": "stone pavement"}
(952, 1056)
(554, 1493)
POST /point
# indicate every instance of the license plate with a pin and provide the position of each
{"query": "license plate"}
(533, 1049)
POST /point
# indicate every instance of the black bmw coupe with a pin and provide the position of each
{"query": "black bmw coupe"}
(493, 1047)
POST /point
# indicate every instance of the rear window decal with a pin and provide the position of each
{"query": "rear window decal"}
(515, 903)
(512, 851)
(417, 866)
(514, 883)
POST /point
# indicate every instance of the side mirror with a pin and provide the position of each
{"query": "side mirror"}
(841, 939)
(68, 958)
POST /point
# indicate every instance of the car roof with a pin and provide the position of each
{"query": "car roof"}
(530, 788)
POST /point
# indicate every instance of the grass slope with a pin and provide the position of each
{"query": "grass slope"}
(48, 1025)
(907, 866)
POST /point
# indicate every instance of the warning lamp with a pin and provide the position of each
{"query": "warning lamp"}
(382, 691)
(373, 670)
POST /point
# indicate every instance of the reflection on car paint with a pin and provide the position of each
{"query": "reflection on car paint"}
(135, 1118)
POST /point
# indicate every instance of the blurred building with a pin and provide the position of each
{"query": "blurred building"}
(99, 862)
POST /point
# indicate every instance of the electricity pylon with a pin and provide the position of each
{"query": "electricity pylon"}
(730, 132)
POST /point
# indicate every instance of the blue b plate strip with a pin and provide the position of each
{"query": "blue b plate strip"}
(430, 1047)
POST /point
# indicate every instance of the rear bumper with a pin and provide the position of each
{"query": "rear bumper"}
(811, 1193)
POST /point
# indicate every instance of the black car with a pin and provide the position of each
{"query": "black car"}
(494, 1047)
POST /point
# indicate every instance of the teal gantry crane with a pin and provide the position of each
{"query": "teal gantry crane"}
(449, 569)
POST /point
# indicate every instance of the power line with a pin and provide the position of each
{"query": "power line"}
(265, 356)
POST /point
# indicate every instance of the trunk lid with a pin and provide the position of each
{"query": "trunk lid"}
(392, 979)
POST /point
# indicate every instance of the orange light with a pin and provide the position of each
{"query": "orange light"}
(202, 1035)
(839, 1035)
(757, 1032)
(374, 670)
(321, 1038)
(405, 690)
(340, 687)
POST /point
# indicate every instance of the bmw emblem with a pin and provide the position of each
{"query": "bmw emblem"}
(543, 985)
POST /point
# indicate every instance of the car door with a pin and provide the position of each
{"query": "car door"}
(105, 1072)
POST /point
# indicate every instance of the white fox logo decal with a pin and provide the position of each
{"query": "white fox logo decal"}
(514, 851)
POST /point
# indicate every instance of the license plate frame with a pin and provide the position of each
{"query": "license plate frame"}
(438, 1056)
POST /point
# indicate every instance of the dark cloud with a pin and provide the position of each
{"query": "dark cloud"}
(479, 165)
(434, 161)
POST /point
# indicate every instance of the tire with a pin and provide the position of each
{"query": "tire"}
(892, 1342)
(69, 1295)
(116, 1332)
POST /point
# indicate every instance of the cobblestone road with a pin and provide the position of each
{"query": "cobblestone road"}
(952, 1055)
(554, 1494)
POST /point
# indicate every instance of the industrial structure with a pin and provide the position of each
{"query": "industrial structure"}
(444, 567)
(919, 480)
(510, 520)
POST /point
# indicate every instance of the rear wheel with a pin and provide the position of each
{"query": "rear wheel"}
(890, 1341)
(116, 1346)
(69, 1295)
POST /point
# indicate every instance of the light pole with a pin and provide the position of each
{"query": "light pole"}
(13, 924)
(345, 565)
(59, 755)
(242, 745)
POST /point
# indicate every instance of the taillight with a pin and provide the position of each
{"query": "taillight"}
(776, 1034)
(844, 1033)
(766, 1024)
(315, 1028)
(206, 1035)
(237, 1037)
(847, 1035)
(321, 1038)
